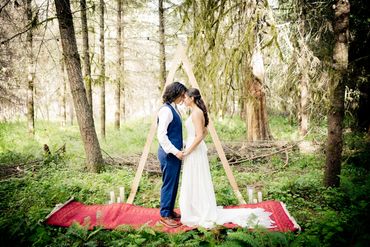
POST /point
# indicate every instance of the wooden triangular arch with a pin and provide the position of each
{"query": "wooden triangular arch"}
(179, 57)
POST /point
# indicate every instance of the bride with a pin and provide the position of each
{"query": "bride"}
(197, 197)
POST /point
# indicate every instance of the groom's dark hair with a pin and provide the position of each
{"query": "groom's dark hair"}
(172, 91)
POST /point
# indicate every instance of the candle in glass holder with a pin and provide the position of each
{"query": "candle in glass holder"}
(259, 196)
(112, 197)
(250, 194)
(255, 200)
(122, 193)
(118, 199)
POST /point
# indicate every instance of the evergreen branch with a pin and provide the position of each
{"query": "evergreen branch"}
(2, 7)
(27, 29)
(33, 25)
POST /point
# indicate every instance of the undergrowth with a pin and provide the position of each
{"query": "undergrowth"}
(33, 182)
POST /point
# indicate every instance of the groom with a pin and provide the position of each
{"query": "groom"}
(169, 134)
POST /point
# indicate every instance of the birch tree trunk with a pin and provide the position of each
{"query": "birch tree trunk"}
(31, 72)
(117, 95)
(337, 89)
(73, 66)
(102, 71)
(162, 51)
(86, 53)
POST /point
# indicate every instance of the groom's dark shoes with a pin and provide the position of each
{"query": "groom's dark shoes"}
(175, 216)
(169, 222)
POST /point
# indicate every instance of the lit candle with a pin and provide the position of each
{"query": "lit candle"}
(112, 197)
(259, 195)
(122, 193)
(255, 200)
(118, 199)
(250, 194)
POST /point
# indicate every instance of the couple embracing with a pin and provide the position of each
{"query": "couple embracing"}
(197, 197)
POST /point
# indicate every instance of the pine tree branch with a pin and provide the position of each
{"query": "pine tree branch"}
(2, 7)
(27, 29)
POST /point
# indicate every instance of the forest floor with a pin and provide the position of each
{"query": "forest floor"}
(38, 173)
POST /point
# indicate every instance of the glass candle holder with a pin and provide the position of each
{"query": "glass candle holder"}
(250, 190)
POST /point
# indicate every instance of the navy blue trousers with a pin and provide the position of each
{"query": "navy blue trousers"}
(170, 167)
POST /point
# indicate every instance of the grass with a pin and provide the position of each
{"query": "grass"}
(328, 217)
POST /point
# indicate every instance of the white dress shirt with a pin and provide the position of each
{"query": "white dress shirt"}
(164, 119)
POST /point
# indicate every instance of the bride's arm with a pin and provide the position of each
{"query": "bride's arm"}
(198, 121)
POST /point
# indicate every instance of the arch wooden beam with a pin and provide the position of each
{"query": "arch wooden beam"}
(220, 151)
(144, 156)
(180, 57)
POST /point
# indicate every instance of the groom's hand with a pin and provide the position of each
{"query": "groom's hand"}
(179, 155)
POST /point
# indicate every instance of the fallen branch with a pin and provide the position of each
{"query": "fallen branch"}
(261, 156)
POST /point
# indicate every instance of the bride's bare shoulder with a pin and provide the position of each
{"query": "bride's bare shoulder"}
(197, 115)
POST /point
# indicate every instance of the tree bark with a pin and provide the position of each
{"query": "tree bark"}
(304, 118)
(86, 53)
(31, 73)
(162, 51)
(63, 95)
(337, 89)
(256, 111)
(71, 113)
(117, 95)
(363, 112)
(304, 80)
(102, 71)
(73, 66)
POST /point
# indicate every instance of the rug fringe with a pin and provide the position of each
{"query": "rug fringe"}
(290, 217)
(58, 207)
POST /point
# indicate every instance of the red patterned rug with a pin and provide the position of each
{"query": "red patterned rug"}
(111, 216)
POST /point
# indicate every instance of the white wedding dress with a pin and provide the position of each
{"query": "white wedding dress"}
(197, 197)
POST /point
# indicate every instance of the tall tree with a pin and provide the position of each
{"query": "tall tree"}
(85, 52)
(120, 68)
(337, 89)
(359, 60)
(162, 51)
(256, 109)
(102, 70)
(31, 72)
(223, 64)
(63, 94)
(304, 77)
(73, 67)
(256, 115)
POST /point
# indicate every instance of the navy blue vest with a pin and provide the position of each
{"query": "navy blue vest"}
(174, 129)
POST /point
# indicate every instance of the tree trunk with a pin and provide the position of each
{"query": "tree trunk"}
(363, 111)
(337, 89)
(31, 73)
(162, 51)
(102, 71)
(63, 95)
(256, 112)
(73, 66)
(117, 95)
(304, 80)
(86, 54)
(304, 118)
(71, 113)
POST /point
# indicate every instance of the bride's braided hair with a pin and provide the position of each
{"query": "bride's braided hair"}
(193, 92)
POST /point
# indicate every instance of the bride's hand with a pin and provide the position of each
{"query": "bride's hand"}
(185, 153)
